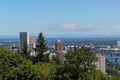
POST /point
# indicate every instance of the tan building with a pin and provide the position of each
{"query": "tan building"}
(101, 63)
(32, 44)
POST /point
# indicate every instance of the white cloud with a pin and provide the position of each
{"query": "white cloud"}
(91, 29)
(86, 25)
(74, 26)
(68, 26)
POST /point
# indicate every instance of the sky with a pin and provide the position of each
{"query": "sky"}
(60, 17)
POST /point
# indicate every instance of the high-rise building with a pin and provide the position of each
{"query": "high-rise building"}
(118, 44)
(59, 50)
(32, 44)
(24, 37)
(100, 64)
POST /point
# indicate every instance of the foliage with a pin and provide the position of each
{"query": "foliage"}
(8, 60)
(46, 70)
(26, 52)
(78, 66)
(57, 60)
(113, 69)
(24, 72)
(13, 66)
(40, 47)
(77, 62)
(94, 75)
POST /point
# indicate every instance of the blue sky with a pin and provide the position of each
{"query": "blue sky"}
(63, 17)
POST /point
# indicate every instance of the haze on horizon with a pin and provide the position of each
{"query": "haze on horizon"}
(52, 17)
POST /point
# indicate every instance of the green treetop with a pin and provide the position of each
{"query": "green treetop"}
(40, 47)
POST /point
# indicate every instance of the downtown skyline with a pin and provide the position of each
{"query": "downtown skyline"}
(65, 18)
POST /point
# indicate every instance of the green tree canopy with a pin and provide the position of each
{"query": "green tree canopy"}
(40, 47)
(41, 44)
(77, 62)
(26, 52)
(14, 66)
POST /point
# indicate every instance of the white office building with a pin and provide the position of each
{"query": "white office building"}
(118, 44)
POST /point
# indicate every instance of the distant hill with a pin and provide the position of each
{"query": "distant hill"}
(66, 36)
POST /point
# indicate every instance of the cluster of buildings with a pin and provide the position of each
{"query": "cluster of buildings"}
(30, 40)
(109, 48)
(10, 45)
(57, 49)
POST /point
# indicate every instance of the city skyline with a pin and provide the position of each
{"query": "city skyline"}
(68, 18)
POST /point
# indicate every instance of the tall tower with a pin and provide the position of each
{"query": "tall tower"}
(101, 63)
(32, 45)
(32, 42)
(59, 49)
(24, 37)
(118, 44)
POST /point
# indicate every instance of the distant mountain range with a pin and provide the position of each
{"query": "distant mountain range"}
(66, 36)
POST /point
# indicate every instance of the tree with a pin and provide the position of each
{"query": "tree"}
(8, 60)
(25, 71)
(40, 47)
(26, 52)
(94, 75)
(113, 69)
(77, 62)
(78, 66)
(57, 60)
(13, 66)
(46, 70)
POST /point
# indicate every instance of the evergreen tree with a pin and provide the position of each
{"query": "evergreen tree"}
(26, 52)
(40, 47)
